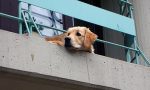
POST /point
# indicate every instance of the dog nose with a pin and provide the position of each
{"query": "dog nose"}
(67, 39)
(67, 42)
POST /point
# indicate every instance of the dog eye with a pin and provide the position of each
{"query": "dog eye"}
(78, 34)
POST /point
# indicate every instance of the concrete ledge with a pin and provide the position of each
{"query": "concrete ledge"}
(33, 54)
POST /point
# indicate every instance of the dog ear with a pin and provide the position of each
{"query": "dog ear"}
(90, 37)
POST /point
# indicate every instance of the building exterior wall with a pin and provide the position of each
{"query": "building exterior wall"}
(142, 20)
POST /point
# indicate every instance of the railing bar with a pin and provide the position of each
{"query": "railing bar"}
(128, 56)
(98, 40)
(34, 24)
(26, 23)
(144, 57)
(19, 19)
(33, 12)
(20, 16)
(123, 9)
(136, 54)
(10, 16)
(29, 10)
(127, 2)
(51, 27)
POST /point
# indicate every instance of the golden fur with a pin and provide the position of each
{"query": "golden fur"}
(77, 38)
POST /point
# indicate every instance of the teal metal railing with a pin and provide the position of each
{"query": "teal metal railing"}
(91, 14)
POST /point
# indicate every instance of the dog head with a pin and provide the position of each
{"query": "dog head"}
(80, 38)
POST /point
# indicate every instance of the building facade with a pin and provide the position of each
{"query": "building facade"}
(33, 64)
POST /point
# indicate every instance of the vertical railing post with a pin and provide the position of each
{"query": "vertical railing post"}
(136, 53)
(35, 25)
(20, 17)
(128, 55)
(30, 25)
(25, 21)
(143, 56)
(131, 11)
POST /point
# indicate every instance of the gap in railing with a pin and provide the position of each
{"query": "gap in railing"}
(111, 5)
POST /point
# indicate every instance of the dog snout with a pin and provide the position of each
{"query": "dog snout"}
(68, 42)
(67, 39)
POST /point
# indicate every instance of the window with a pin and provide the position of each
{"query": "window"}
(9, 7)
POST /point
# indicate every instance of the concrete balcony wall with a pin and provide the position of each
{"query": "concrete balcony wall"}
(36, 56)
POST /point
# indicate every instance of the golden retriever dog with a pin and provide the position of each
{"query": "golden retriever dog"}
(76, 38)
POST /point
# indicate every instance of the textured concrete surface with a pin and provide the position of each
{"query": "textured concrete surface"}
(11, 81)
(142, 20)
(33, 54)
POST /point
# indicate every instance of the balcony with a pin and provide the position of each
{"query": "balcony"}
(32, 61)
(112, 21)
(34, 57)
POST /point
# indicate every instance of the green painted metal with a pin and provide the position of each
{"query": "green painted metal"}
(10, 16)
(88, 13)
(27, 27)
(126, 8)
(126, 1)
(136, 53)
(51, 27)
(128, 55)
(20, 16)
(103, 41)
(35, 25)
(21, 20)
(30, 25)
(144, 57)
